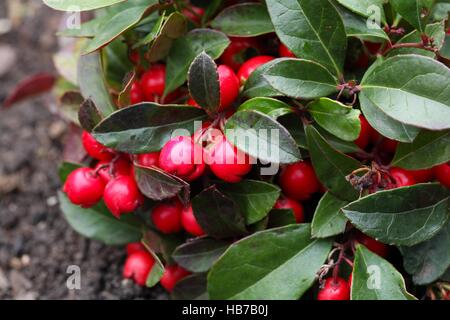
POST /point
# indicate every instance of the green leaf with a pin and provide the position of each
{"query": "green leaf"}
(199, 254)
(301, 79)
(185, 49)
(412, 89)
(272, 107)
(219, 216)
(403, 216)
(203, 80)
(429, 260)
(331, 166)
(364, 8)
(273, 264)
(412, 11)
(281, 218)
(336, 118)
(79, 5)
(376, 279)
(428, 150)
(440, 11)
(257, 85)
(157, 270)
(88, 115)
(192, 287)
(255, 198)
(145, 127)
(244, 20)
(99, 224)
(261, 137)
(93, 84)
(311, 29)
(328, 219)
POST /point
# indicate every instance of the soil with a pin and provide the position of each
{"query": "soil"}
(36, 243)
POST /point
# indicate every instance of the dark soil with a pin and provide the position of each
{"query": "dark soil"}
(36, 243)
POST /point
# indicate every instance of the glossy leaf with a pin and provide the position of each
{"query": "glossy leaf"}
(192, 287)
(328, 218)
(364, 8)
(157, 270)
(280, 218)
(257, 85)
(88, 115)
(79, 5)
(413, 11)
(272, 107)
(403, 216)
(273, 264)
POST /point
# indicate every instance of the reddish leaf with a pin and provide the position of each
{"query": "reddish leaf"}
(29, 87)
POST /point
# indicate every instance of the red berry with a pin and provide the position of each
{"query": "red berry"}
(136, 93)
(229, 86)
(84, 187)
(251, 65)
(364, 136)
(373, 245)
(148, 159)
(94, 148)
(122, 195)
(296, 207)
(388, 145)
(363, 61)
(298, 181)
(334, 289)
(108, 169)
(137, 266)
(191, 102)
(373, 47)
(183, 158)
(193, 13)
(172, 274)
(190, 223)
(167, 216)
(402, 177)
(153, 82)
(235, 54)
(283, 51)
(226, 161)
(442, 173)
(424, 175)
(135, 247)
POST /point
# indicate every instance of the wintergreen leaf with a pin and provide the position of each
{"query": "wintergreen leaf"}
(328, 219)
(376, 279)
(411, 89)
(244, 20)
(79, 5)
(413, 11)
(257, 86)
(272, 107)
(157, 269)
(273, 264)
(336, 118)
(428, 149)
(192, 287)
(364, 8)
(403, 216)
(311, 29)
(88, 115)
(280, 218)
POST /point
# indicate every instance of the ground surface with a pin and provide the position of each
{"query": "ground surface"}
(36, 243)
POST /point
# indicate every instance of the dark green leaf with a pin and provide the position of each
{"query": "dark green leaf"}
(328, 219)
(192, 287)
(413, 11)
(88, 115)
(281, 218)
(157, 270)
(271, 107)
(364, 8)
(257, 86)
(79, 5)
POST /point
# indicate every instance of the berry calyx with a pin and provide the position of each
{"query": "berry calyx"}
(334, 289)
(153, 82)
(373, 245)
(135, 247)
(138, 266)
(84, 187)
(226, 161)
(190, 223)
(136, 93)
(148, 159)
(110, 169)
(167, 217)
(296, 207)
(172, 274)
(298, 181)
(122, 195)
(94, 148)
(182, 157)
(229, 86)
(442, 173)
(402, 177)
(251, 65)
(236, 53)
(283, 51)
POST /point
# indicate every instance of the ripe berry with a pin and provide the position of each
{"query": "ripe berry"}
(191, 102)
(135, 247)
(229, 86)
(94, 148)
(296, 207)
(183, 158)
(373, 245)
(298, 181)
(148, 159)
(388, 145)
(402, 177)
(251, 65)
(153, 82)
(364, 136)
(84, 187)
(373, 47)
(136, 93)
(423, 175)
(172, 274)
(108, 169)
(235, 54)
(190, 223)
(226, 161)
(122, 195)
(167, 216)
(194, 13)
(442, 173)
(137, 266)
(334, 289)
(283, 51)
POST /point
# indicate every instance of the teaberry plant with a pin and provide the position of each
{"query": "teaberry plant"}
(276, 149)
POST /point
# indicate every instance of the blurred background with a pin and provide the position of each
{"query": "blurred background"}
(36, 244)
